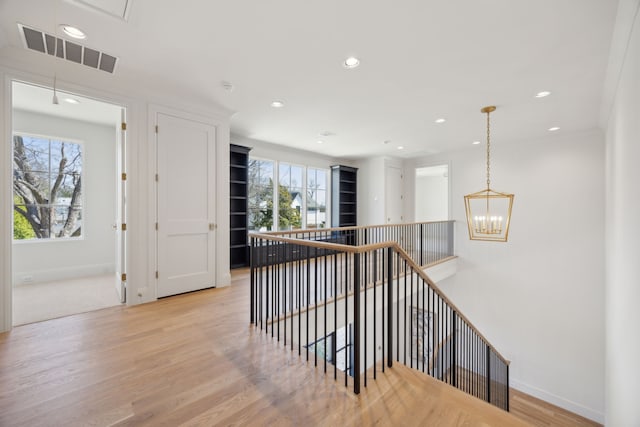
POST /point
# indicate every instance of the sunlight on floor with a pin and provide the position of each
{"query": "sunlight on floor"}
(43, 301)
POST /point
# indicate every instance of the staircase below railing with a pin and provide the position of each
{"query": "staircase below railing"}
(351, 297)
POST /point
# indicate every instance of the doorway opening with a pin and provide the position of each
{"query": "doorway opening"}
(68, 189)
(432, 193)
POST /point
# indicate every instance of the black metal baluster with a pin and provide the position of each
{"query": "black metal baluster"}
(291, 300)
(315, 310)
(430, 330)
(299, 294)
(454, 347)
(397, 310)
(389, 308)
(375, 309)
(266, 291)
(405, 312)
(308, 295)
(365, 266)
(325, 312)
(507, 386)
(284, 292)
(262, 272)
(335, 314)
(488, 355)
(424, 325)
(277, 294)
(346, 316)
(251, 285)
(356, 323)
(411, 308)
(383, 326)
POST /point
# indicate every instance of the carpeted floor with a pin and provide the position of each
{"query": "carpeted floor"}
(43, 301)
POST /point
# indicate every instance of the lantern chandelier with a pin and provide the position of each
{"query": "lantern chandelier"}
(488, 211)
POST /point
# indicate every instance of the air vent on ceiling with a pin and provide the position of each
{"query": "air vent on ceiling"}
(46, 43)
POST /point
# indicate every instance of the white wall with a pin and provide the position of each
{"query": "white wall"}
(372, 188)
(431, 198)
(623, 228)
(95, 252)
(539, 297)
(283, 153)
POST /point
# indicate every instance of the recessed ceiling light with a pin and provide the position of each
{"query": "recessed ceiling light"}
(72, 101)
(400, 147)
(386, 141)
(277, 104)
(543, 94)
(476, 142)
(441, 120)
(320, 141)
(326, 133)
(74, 32)
(553, 129)
(351, 62)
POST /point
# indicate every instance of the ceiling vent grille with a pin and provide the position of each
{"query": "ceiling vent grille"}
(46, 43)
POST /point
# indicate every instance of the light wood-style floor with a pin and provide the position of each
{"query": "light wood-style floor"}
(195, 360)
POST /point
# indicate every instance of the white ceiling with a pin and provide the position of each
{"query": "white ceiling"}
(40, 100)
(420, 60)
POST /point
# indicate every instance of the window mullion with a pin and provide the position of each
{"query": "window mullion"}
(276, 193)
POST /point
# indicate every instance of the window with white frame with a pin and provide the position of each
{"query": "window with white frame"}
(260, 201)
(316, 211)
(290, 196)
(47, 188)
(300, 200)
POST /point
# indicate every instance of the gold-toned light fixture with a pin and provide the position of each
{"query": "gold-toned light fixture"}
(488, 211)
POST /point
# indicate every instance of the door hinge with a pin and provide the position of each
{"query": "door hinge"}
(124, 176)
(212, 226)
(124, 126)
(123, 277)
(156, 128)
(156, 177)
(157, 275)
(156, 226)
(124, 227)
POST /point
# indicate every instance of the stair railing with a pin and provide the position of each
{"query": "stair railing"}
(352, 306)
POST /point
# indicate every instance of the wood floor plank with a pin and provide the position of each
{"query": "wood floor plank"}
(194, 360)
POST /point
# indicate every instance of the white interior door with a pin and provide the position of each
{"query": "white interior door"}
(393, 195)
(121, 232)
(186, 205)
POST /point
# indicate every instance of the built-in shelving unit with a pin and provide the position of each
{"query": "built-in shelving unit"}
(238, 208)
(344, 185)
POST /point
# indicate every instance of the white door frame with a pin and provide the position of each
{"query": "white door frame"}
(221, 123)
(388, 192)
(177, 227)
(6, 178)
(413, 184)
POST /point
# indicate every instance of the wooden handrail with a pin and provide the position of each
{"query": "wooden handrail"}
(372, 247)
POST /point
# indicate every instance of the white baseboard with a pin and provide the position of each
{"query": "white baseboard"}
(39, 276)
(224, 279)
(563, 403)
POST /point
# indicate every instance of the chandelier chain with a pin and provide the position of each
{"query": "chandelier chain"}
(488, 153)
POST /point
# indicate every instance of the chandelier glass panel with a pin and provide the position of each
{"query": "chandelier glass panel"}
(488, 211)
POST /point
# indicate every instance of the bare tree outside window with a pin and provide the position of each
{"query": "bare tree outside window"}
(47, 188)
